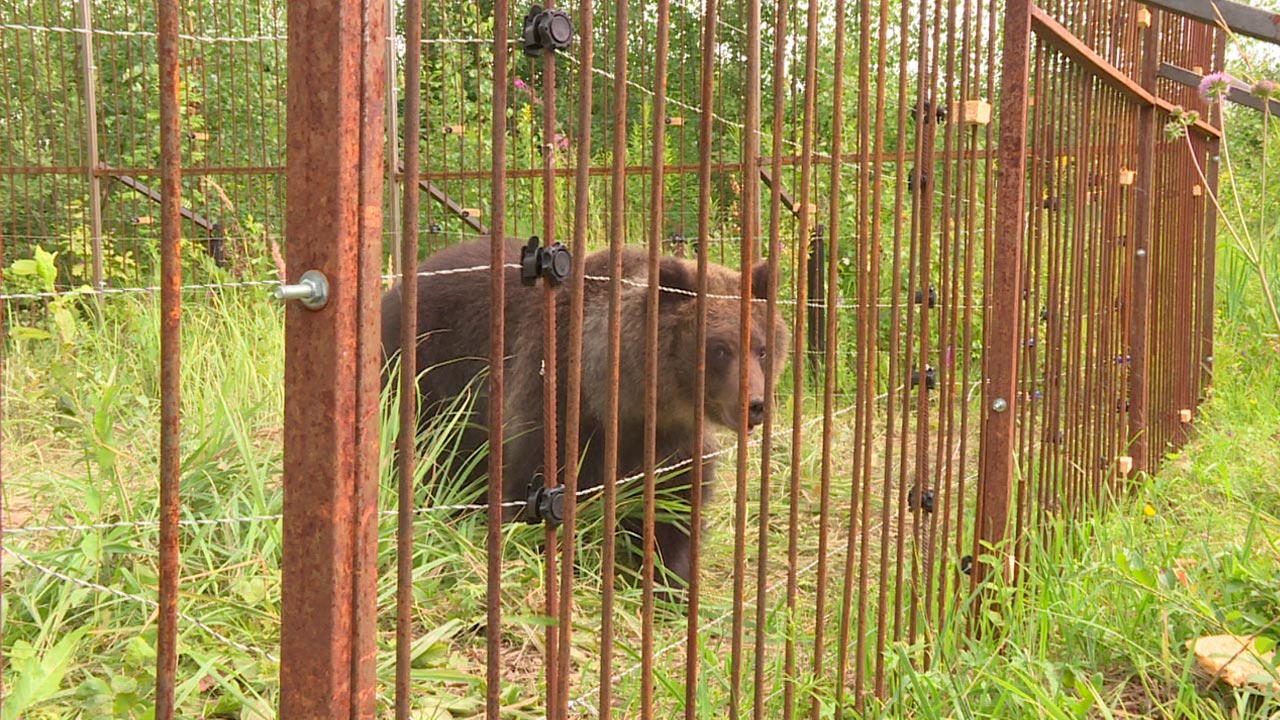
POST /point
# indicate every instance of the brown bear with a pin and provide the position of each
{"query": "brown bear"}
(453, 350)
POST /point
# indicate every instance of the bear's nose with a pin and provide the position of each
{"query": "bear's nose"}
(755, 416)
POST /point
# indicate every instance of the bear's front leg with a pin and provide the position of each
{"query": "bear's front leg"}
(674, 550)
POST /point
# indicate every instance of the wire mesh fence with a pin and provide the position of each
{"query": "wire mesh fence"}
(903, 282)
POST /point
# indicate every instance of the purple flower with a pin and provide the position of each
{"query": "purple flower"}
(1214, 85)
(562, 141)
(1266, 89)
(522, 85)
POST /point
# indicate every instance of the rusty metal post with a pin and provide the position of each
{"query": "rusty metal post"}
(657, 205)
(170, 355)
(1209, 269)
(573, 360)
(750, 251)
(550, 473)
(497, 358)
(332, 355)
(1140, 260)
(89, 77)
(407, 262)
(1003, 291)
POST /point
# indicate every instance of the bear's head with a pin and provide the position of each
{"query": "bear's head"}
(724, 348)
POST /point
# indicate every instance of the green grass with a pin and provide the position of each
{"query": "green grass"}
(1096, 628)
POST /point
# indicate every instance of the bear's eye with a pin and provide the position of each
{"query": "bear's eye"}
(760, 353)
(720, 352)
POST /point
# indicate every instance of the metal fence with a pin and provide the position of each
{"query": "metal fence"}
(970, 230)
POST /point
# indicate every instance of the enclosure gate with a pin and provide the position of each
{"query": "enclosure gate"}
(1017, 328)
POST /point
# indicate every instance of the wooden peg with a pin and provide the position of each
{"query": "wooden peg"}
(1185, 415)
(142, 220)
(454, 129)
(972, 112)
(675, 121)
(1144, 17)
(198, 136)
(1124, 464)
(471, 213)
(1196, 190)
(1127, 177)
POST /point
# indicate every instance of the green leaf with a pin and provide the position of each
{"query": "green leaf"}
(38, 680)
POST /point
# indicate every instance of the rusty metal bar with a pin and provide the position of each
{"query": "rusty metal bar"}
(407, 246)
(831, 317)
(617, 239)
(798, 338)
(1209, 271)
(711, 14)
(550, 470)
(335, 176)
(497, 358)
(657, 202)
(573, 388)
(89, 78)
(1004, 290)
(368, 356)
(570, 171)
(776, 199)
(1138, 436)
(750, 250)
(168, 19)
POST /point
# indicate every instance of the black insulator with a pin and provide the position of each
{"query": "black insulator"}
(553, 262)
(549, 29)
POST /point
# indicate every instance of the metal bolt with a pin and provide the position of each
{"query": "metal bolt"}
(1140, 252)
(999, 404)
(312, 290)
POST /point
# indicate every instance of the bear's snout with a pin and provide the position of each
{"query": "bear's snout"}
(755, 414)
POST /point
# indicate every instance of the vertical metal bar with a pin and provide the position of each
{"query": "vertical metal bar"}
(750, 248)
(573, 385)
(797, 378)
(168, 19)
(1209, 272)
(368, 346)
(407, 245)
(333, 216)
(393, 135)
(89, 77)
(766, 445)
(617, 239)
(497, 356)
(657, 202)
(1004, 287)
(1140, 258)
(706, 89)
(829, 345)
(550, 471)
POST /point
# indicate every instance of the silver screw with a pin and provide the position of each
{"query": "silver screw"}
(312, 290)
(999, 404)
(1140, 252)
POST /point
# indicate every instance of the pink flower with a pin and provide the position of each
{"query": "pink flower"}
(522, 85)
(1214, 85)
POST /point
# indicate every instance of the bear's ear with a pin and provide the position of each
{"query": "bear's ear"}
(760, 281)
(678, 282)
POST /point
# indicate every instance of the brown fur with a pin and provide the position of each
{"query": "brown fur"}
(453, 327)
